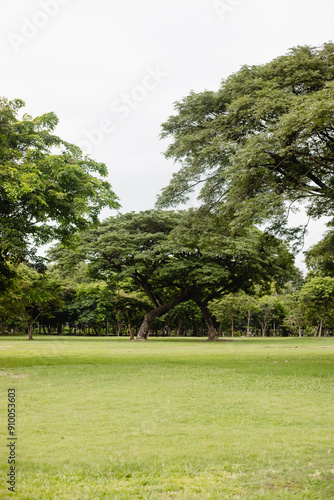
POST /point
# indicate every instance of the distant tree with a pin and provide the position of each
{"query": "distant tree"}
(48, 190)
(320, 257)
(295, 312)
(265, 313)
(227, 307)
(318, 297)
(184, 318)
(30, 295)
(248, 307)
(262, 143)
(236, 306)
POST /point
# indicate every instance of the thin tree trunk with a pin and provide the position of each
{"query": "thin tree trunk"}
(263, 329)
(320, 328)
(248, 322)
(30, 331)
(132, 337)
(232, 326)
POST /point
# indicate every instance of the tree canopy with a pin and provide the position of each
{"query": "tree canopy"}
(262, 143)
(48, 190)
(320, 257)
(171, 262)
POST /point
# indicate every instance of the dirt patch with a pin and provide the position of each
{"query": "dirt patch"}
(12, 375)
(290, 485)
(285, 347)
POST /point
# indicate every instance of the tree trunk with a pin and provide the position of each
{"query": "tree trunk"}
(232, 327)
(248, 323)
(30, 331)
(132, 337)
(212, 334)
(320, 328)
(179, 329)
(118, 328)
(263, 329)
(144, 329)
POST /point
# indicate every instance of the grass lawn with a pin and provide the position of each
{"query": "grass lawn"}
(103, 418)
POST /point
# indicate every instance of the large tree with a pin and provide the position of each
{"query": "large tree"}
(48, 190)
(262, 143)
(136, 246)
(172, 261)
(227, 260)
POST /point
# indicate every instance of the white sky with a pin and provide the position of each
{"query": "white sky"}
(112, 70)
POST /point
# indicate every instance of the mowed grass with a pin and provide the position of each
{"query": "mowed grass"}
(103, 418)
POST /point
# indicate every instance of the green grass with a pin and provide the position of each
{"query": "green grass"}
(169, 418)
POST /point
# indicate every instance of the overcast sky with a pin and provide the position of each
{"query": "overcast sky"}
(112, 70)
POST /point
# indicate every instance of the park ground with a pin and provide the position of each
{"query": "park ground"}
(104, 418)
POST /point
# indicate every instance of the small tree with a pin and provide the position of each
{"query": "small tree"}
(228, 306)
(318, 297)
(266, 308)
(31, 295)
(248, 307)
(295, 310)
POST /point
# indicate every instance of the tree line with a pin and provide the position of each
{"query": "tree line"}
(259, 147)
(152, 273)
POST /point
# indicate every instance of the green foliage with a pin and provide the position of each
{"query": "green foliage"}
(320, 258)
(294, 312)
(97, 303)
(48, 190)
(168, 258)
(263, 142)
(135, 246)
(30, 295)
(227, 307)
(318, 296)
